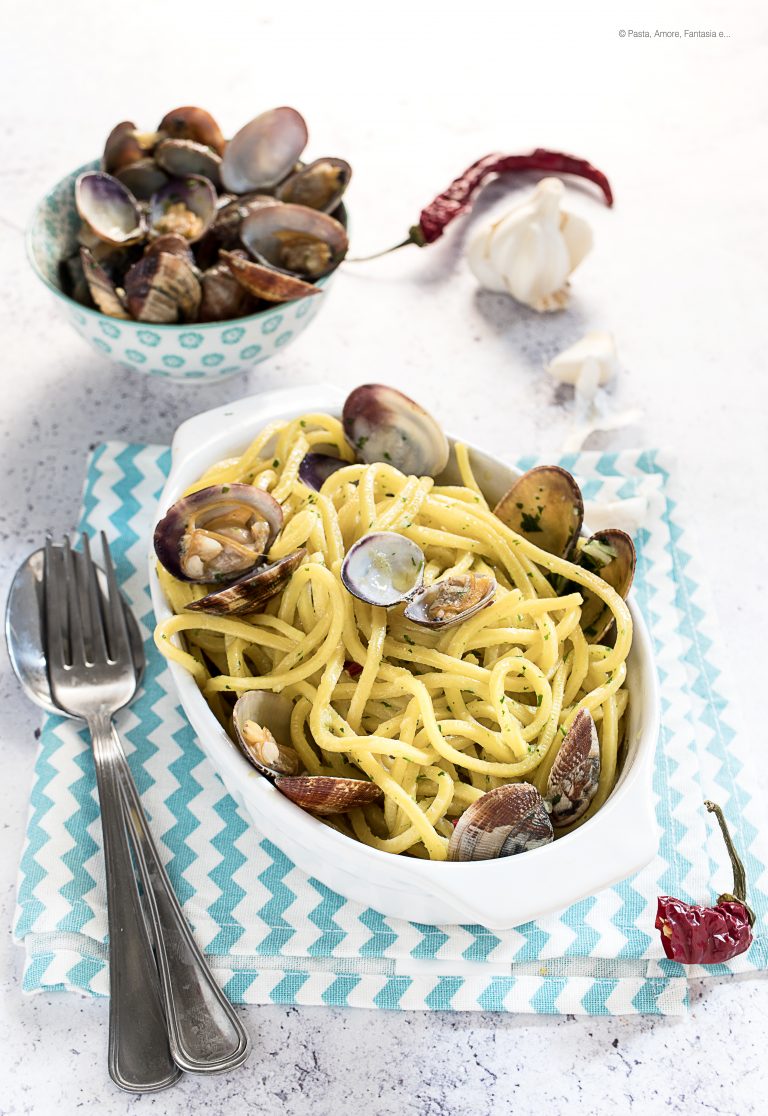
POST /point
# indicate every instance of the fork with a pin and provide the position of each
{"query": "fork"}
(92, 676)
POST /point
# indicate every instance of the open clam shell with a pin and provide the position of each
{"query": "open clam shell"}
(545, 506)
(266, 282)
(262, 727)
(249, 592)
(109, 209)
(295, 239)
(319, 185)
(611, 555)
(382, 424)
(262, 724)
(182, 157)
(451, 600)
(328, 794)
(186, 206)
(315, 469)
(508, 820)
(101, 287)
(218, 533)
(192, 123)
(383, 568)
(263, 152)
(575, 774)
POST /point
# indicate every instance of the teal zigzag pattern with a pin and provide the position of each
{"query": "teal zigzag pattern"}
(278, 936)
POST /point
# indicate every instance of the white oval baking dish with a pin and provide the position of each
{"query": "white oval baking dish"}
(619, 840)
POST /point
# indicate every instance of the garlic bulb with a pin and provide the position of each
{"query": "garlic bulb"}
(531, 252)
(594, 356)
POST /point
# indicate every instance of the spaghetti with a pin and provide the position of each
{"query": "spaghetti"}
(435, 718)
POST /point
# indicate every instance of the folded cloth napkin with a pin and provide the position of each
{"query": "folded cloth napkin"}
(275, 935)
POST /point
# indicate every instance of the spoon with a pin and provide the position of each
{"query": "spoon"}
(205, 1032)
(24, 636)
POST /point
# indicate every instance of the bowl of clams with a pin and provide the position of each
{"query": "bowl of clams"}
(188, 256)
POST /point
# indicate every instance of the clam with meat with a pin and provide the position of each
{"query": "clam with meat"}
(184, 179)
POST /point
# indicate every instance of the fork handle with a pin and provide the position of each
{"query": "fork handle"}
(204, 1030)
(139, 1056)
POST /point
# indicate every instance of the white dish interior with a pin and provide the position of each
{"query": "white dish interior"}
(619, 840)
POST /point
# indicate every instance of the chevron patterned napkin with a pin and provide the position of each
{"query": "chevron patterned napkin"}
(275, 935)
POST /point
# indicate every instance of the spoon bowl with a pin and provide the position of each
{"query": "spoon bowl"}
(24, 631)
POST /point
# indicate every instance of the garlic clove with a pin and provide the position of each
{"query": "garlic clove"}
(594, 355)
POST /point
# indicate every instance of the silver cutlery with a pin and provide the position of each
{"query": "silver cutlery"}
(94, 658)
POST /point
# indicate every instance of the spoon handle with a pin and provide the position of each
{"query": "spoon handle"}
(139, 1057)
(204, 1030)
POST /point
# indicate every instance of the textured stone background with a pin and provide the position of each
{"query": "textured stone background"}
(410, 94)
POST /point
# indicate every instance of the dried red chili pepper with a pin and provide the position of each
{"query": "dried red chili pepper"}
(353, 669)
(708, 935)
(458, 197)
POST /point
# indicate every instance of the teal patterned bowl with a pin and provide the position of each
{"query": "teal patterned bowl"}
(201, 353)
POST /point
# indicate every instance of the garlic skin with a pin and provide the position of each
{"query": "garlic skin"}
(598, 348)
(531, 252)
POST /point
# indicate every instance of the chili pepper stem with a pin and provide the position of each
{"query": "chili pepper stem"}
(739, 894)
(377, 255)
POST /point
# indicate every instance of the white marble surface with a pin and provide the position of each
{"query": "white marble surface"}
(678, 273)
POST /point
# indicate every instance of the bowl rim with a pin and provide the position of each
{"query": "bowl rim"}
(630, 803)
(98, 315)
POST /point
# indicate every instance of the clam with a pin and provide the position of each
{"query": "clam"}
(315, 469)
(611, 555)
(192, 123)
(265, 282)
(143, 178)
(383, 568)
(264, 151)
(174, 243)
(253, 589)
(73, 281)
(224, 232)
(545, 506)
(575, 774)
(450, 600)
(181, 157)
(101, 287)
(319, 185)
(265, 747)
(218, 533)
(508, 820)
(186, 206)
(382, 424)
(328, 794)
(223, 296)
(109, 209)
(125, 146)
(261, 723)
(294, 239)
(387, 569)
(162, 287)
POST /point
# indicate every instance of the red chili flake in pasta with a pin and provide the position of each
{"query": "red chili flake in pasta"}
(697, 935)
(353, 669)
